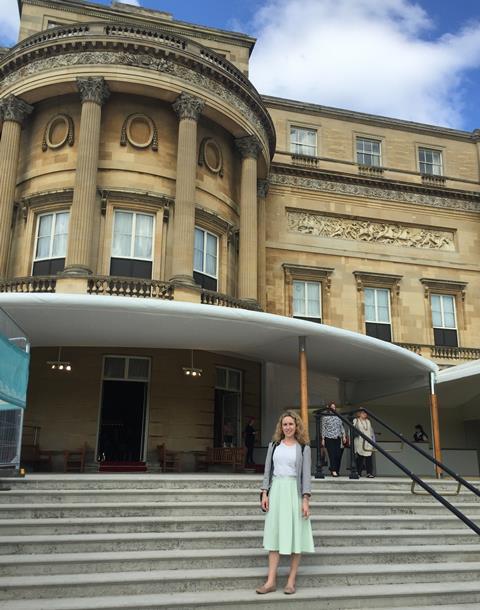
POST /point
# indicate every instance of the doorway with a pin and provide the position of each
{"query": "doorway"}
(227, 425)
(122, 424)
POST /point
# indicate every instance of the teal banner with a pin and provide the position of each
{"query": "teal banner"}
(14, 364)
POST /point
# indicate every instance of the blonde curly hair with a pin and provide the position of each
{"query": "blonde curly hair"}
(300, 432)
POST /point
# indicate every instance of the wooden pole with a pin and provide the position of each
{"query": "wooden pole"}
(302, 365)
(437, 451)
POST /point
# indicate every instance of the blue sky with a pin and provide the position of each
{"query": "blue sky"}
(415, 60)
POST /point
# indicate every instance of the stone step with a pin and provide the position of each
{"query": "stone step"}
(87, 525)
(182, 559)
(221, 509)
(195, 580)
(428, 596)
(203, 481)
(72, 496)
(152, 541)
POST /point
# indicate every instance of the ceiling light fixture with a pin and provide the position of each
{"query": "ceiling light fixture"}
(192, 371)
(59, 364)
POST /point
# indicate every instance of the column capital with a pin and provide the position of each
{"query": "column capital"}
(13, 108)
(248, 146)
(262, 188)
(188, 106)
(93, 89)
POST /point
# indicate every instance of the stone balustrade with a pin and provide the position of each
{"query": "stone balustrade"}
(29, 284)
(442, 352)
(209, 297)
(130, 287)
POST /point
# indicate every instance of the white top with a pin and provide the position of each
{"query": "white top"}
(284, 460)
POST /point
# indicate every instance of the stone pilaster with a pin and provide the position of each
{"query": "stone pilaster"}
(262, 191)
(249, 148)
(94, 93)
(13, 111)
(188, 110)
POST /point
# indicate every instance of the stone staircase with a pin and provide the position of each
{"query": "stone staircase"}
(145, 542)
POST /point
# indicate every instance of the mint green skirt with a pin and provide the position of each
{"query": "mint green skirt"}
(286, 531)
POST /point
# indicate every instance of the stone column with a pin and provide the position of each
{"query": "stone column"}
(13, 111)
(262, 191)
(249, 148)
(94, 93)
(188, 109)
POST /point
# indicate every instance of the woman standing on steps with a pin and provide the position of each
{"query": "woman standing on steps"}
(286, 491)
(363, 449)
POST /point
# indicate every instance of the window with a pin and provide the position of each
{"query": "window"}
(377, 313)
(307, 300)
(430, 162)
(368, 152)
(205, 259)
(132, 245)
(51, 243)
(444, 320)
(303, 141)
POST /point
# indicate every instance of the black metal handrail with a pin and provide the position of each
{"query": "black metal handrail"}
(353, 469)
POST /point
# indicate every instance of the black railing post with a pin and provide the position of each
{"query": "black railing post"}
(318, 431)
(354, 474)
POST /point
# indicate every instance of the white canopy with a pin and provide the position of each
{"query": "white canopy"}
(369, 368)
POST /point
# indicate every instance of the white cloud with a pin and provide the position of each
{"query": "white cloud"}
(9, 22)
(134, 2)
(366, 55)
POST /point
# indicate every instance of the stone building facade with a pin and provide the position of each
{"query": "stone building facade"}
(137, 159)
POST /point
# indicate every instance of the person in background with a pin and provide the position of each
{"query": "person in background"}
(363, 449)
(333, 437)
(419, 436)
(227, 434)
(285, 498)
(249, 441)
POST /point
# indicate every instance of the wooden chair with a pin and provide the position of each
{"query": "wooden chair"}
(169, 460)
(74, 459)
(31, 453)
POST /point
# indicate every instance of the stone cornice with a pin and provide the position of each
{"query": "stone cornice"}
(152, 49)
(110, 13)
(384, 190)
(373, 119)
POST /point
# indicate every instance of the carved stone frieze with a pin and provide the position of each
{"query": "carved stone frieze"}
(188, 106)
(143, 60)
(262, 188)
(385, 194)
(13, 108)
(370, 231)
(248, 146)
(93, 89)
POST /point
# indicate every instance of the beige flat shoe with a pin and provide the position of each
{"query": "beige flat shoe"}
(263, 589)
(289, 590)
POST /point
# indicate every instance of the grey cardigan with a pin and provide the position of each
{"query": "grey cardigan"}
(304, 470)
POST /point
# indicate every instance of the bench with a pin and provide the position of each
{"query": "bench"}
(232, 456)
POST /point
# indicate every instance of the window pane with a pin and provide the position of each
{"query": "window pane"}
(303, 141)
(198, 250)
(138, 368)
(114, 368)
(437, 318)
(59, 246)
(122, 234)
(221, 378)
(234, 380)
(45, 225)
(299, 298)
(313, 299)
(383, 296)
(143, 236)
(43, 247)
(211, 257)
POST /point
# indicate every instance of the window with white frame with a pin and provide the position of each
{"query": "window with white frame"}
(205, 259)
(303, 141)
(444, 320)
(377, 313)
(430, 162)
(369, 152)
(132, 245)
(50, 243)
(307, 300)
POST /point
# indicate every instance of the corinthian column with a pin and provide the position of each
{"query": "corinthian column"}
(13, 111)
(94, 93)
(249, 148)
(262, 191)
(188, 110)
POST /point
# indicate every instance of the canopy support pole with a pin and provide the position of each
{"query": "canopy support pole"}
(302, 365)
(437, 451)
